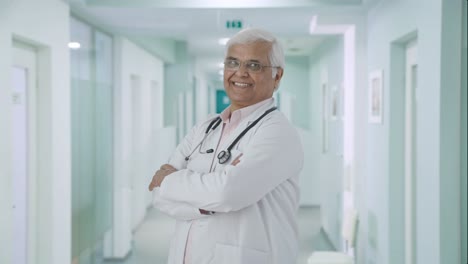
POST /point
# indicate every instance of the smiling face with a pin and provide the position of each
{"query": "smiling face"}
(246, 88)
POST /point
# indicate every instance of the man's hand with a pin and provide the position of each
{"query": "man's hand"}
(159, 176)
(236, 160)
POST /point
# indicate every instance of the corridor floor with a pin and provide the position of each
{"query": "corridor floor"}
(151, 239)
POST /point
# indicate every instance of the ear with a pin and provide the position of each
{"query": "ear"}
(278, 76)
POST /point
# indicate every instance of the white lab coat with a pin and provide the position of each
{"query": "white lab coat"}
(255, 201)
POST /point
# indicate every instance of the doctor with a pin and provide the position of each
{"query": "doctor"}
(232, 183)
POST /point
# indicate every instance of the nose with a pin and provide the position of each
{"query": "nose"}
(242, 71)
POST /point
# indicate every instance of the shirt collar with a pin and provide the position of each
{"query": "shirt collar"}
(240, 114)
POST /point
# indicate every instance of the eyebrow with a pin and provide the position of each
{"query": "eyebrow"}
(233, 58)
(254, 61)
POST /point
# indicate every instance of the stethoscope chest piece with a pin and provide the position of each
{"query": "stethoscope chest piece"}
(224, 156)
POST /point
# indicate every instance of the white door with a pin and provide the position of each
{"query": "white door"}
(410, 151)
(23, 84)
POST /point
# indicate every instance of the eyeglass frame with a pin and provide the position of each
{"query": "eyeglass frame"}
(245, 63)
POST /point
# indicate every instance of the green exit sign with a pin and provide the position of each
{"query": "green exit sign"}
(234, 24)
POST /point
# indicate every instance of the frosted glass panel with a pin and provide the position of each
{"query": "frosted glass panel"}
(104, 151)
(81, 58)
(92, 137)
(103, 48)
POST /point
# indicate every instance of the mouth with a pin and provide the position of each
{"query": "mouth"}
(241, 84)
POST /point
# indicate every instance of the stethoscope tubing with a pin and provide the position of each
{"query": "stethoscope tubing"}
(225, 155)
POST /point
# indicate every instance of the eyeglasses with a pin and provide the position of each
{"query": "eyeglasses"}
(251, 66)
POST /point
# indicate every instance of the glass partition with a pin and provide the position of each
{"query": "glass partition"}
(92, 137)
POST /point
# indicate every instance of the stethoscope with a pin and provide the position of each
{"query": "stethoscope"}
(225, 155)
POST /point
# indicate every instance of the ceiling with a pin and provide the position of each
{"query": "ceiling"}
(201, 23)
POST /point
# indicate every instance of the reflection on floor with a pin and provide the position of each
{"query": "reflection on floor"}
(151, 240)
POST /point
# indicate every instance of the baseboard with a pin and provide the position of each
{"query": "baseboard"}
(309, 206)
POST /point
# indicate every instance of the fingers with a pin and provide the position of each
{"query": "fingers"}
(152, 184)
(168, 167)
(159, 176)
(156, 181)
(236, 160)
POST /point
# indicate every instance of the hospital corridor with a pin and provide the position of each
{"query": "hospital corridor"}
(96, 95)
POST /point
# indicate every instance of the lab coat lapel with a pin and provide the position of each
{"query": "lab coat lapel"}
(243, 125)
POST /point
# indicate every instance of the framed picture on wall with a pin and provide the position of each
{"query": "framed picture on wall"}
(375, 97)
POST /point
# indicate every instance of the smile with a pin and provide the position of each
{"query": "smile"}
(238, 84)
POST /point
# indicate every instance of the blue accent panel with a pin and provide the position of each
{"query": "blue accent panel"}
(222, 101)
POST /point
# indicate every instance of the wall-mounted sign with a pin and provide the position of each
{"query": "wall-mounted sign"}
(237, 24)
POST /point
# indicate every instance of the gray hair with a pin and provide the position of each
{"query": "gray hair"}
(250, 35)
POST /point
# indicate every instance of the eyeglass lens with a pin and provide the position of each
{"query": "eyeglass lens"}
(249, 65)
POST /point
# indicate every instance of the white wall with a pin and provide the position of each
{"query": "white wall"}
(327, 66)
(388, 22)
(179, 78)
(43, 24)
(294, 84)
(134, 153)
(309, 178)
(202, 91)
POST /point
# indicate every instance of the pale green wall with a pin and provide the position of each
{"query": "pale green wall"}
(396, 185)
(463, 144)
(178, 78)
(43, 24)
(295, 81)
(450, 140)
(437, 212)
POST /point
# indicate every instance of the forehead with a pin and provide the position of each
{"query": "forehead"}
(258, 50)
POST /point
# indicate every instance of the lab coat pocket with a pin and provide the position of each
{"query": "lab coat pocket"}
(227, 254)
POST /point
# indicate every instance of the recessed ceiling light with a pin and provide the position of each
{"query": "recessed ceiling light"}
(223, 41)
(74, 45)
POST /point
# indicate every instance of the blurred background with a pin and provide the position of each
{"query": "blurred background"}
(96, 94)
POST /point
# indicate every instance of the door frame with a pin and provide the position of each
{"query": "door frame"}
(410, 152)
(26, 56)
